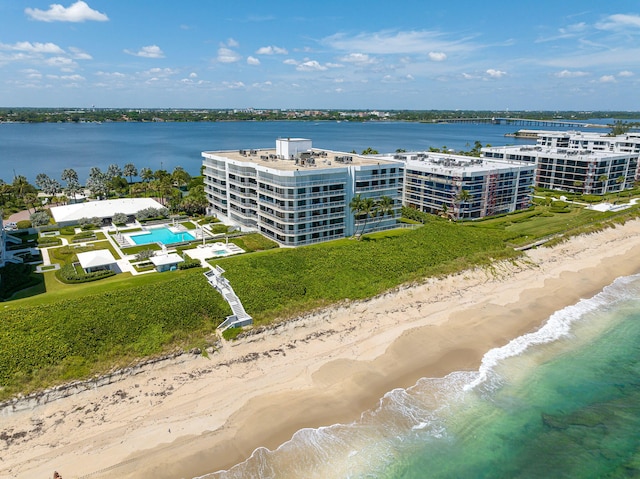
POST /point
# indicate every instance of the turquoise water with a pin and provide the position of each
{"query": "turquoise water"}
(563, 402)
(161, 235)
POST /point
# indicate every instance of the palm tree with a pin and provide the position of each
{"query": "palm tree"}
(130, 170)
(146, 174)
(21, 186)
(603, 179)
(384, 207)
(463, 197)
(620, 181)
(356, 208)
(362, 208)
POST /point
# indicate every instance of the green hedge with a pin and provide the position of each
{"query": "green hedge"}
(46, 241)
(69, 275)
(189, 263)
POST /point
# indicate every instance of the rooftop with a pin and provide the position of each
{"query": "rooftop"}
(166, 259)
(316, 158)
(455, 164)
(102, 209)
(95, 259)
(562, 151)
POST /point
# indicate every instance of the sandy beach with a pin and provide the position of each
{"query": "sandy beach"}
(193, 415)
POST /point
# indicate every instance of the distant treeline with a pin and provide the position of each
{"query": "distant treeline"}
(55, 115)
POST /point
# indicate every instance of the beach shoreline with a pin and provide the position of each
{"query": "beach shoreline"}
(195, 415)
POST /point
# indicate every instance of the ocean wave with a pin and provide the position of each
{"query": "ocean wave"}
(557, 326)
(409, 416)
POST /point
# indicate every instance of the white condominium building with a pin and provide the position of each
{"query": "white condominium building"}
(296, 194)
(626, 143)
(463, 187)
(573, 169)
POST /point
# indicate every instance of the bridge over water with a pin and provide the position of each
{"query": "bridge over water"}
(524, 122)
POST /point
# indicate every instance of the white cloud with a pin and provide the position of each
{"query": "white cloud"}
(234, 85)
(232, 43)
(226, 55)
(311, 66)
(625, 73)
(193, 75)
(607, 79)
(77, 12)
(468, 76)
(619, 21)
(405, 42)
(495, 73)
(358, 58)
(570, 74)
(290, 61)
(61, 62)
(33, 47)
(252, 60)
(78, 54)
(67, 77)
(160, 72)
(437, 56)
(32, 74)
(271, 50)
(150, 51)
(111, 74)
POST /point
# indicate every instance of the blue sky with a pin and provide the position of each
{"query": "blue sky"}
(516, 55)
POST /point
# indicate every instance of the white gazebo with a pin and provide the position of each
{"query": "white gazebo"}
(97, 260)
(166, 262)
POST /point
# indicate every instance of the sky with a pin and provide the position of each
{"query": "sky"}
(306, 54)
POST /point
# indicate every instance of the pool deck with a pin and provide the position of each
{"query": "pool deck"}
(213, 250)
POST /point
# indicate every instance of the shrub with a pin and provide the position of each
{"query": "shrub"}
(68, 230)
(24, 224)
(83, 235)
(40, 218)
(416, 215)
(231, 334)
(189, 263)
(68, 274)
(152, 213)
(119, 219)
(145, 254)
(89, 223)
(46, 241)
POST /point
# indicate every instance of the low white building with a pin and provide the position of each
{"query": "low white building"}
(105, 209)
(166, 262)
(98, 260)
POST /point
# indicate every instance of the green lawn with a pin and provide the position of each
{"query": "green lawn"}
(74, 331)
(93, 327)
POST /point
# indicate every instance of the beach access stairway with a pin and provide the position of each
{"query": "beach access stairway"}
(239, 317)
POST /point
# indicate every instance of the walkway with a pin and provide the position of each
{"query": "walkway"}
(239, 317)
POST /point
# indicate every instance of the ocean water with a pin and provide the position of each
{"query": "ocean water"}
(561, 402)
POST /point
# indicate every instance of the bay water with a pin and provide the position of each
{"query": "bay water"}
(561, 402)
(30, 149)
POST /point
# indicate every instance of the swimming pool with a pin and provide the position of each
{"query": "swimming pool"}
(161, 235)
